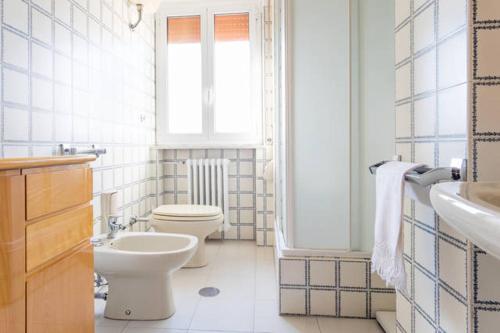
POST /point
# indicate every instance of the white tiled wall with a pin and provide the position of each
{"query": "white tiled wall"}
(484, 149)
(73, 72)
(449, 275)
(432, 131)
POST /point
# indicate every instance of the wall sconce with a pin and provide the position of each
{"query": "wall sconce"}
(142, 7)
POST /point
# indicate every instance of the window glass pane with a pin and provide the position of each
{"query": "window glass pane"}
(232, 74)
(184, 85)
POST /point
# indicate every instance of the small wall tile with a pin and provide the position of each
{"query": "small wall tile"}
(403, 313)
(486, 102)
(41, 60)
(452, 66)
(486, 51)
(425, 116)
(403, 11)
(15, 87)
(487, 319)
(422, 324)
(425, 293)
(353, 274)
(453, 313)
(424, 34)
(403, 121)
(15, 49)
(425, 249)
(353, 304)
(448, 231)
(322, 273)
(293, 272)
(403, 82)
(403, 49)
(452, 15)
(323, 302)
(425, 153)
(450, 150)
(425, 214)
(41, 27)
(15, 13)
(404, 149)
(293, 301)
(487, 10)
(453, 266)
(486, 280)
(16, 124)
(425, 72)
(452, 105)
(487, 160)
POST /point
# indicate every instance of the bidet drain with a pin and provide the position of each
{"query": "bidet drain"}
(209, 292)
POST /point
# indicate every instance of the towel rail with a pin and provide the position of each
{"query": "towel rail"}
(426, 176)
(65, 149)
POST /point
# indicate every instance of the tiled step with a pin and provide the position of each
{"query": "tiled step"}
(387, 319)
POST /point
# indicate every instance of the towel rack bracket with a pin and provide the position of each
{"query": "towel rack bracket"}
(426, 176)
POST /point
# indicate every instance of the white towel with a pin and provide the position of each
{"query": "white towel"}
(387, 257)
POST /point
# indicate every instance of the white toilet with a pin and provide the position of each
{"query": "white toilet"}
(196, 220)
(138, 268)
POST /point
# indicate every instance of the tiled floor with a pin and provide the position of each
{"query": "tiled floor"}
(245, 276)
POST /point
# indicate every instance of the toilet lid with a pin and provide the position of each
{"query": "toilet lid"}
(187, 219)
(187, 211)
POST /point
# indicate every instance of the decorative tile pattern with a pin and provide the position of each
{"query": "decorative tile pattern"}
(332, 286)
(70, 76)
(251, 199)
(433, 132)
(484, 147)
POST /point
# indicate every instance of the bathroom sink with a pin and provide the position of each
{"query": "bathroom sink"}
(473, 209)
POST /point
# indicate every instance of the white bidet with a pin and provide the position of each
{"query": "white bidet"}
(138, 268)
(196, 220)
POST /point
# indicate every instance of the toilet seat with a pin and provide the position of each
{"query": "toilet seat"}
(188, 211)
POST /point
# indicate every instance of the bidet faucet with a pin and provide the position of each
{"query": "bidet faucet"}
(114, 226)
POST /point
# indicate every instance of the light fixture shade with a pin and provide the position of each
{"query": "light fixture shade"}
(149, 6)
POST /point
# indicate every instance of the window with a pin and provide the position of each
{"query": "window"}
(209, 76)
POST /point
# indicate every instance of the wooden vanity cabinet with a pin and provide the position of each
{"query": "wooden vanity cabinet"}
(46, 260)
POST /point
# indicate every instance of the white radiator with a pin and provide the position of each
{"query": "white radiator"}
(208, 185)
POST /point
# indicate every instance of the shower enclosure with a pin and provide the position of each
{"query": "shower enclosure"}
(333, 118)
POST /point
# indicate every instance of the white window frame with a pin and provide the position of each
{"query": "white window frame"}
(206, 10)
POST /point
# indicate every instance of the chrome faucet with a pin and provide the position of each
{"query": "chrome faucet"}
(134, 219)
(114, 226)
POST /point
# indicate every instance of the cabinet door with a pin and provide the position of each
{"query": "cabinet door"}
(60, 297)
(12, 253)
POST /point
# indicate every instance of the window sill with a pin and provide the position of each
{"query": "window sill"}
(210, 146)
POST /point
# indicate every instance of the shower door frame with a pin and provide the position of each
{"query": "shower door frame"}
(284, 120)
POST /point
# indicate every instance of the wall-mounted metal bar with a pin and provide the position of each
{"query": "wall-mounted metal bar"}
(426, 176)
(65, 149)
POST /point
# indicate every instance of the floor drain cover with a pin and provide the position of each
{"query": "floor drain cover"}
(209, 292)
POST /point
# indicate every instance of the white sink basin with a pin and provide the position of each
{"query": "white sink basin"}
(473, 209)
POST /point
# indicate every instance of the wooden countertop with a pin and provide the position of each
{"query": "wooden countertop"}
(36, 162)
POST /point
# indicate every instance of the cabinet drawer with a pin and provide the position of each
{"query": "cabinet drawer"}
(52, 191)
(53, 236)
(60, 297)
